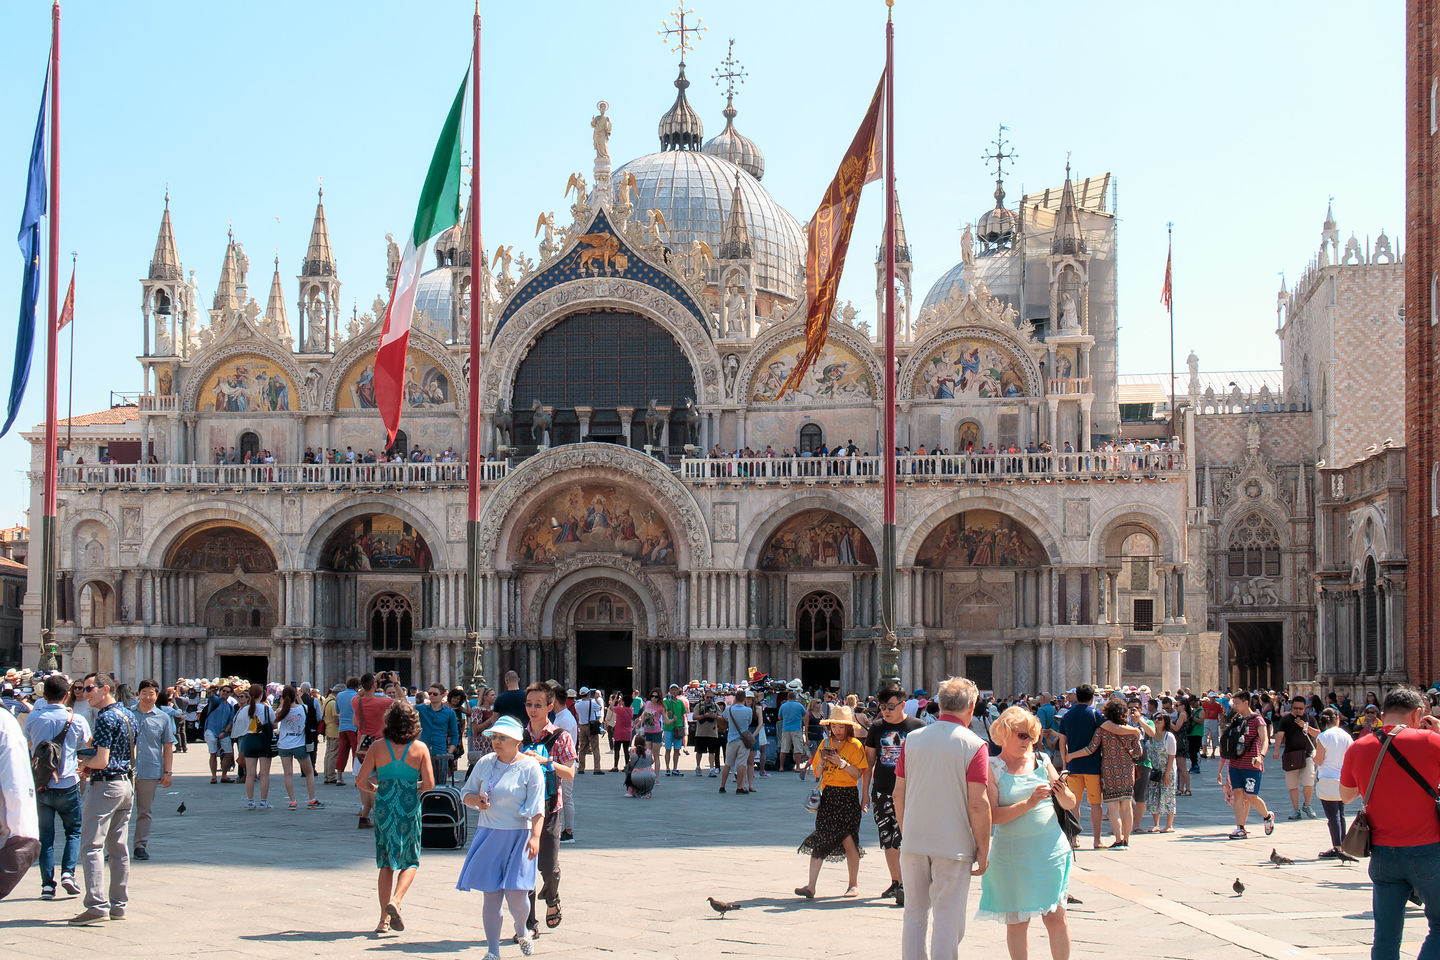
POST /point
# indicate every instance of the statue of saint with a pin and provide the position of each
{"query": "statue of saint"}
(600, 125)
(1069, 315)
(967, 245)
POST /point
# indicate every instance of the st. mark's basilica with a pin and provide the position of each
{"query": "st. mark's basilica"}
(654, 509)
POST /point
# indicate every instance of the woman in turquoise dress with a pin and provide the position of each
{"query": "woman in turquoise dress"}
(1029, 872)
(396, 775)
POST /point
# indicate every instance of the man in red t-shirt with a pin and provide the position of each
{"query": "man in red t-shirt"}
(1404, 830)
(1210, 707)
(369, 709)
(1245, 771)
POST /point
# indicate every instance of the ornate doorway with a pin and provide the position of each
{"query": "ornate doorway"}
(819, 629)
(604, 629)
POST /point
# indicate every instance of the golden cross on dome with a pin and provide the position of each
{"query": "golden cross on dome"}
(675, 27)
(730, 70)
(1000, 155)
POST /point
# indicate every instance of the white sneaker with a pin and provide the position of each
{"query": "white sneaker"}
(263, 805)
(250, 804)
(527, 945)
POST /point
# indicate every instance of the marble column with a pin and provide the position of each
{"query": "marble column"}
(584, 414)
(1170, 650)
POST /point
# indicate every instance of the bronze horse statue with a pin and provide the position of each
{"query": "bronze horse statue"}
(691, 417)
(503, 422)
(540, 422)
(654, 425)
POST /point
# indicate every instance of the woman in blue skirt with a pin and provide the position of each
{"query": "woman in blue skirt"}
(509, 791)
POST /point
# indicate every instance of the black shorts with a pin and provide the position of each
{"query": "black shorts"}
(704, 745)
(882, 806)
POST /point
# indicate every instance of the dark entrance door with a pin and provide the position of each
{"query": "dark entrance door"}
(248, 668)
(980, 670)
(1257, 654)
(819, 671)
(602, 660)
(401, 665)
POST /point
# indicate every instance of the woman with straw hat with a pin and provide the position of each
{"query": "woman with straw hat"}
(839, 763)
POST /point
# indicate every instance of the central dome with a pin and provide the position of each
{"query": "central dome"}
(693, 189)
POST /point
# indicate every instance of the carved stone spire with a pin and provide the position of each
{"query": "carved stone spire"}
(1068, 238)
(902, 246)
(319, 261)
(226, 297)
(165, 264)
(277, 321)
(737, 231)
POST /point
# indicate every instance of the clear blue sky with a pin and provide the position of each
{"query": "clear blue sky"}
(1234, 120)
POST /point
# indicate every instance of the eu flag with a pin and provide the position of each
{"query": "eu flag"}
(29, 237)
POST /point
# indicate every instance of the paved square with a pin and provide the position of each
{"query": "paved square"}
(227, 882)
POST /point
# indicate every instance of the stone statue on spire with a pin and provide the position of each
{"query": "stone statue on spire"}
(600, 131)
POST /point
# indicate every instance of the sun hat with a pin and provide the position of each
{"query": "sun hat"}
(506, 727)
(839, 715)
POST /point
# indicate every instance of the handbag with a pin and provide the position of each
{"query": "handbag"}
(1156, 775)
(1069, 822)
(1294, 759)
(1356, 842)
(812, 802)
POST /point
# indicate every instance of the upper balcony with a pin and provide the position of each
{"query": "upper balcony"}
(271, 476)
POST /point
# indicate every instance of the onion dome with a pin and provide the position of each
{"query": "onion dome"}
(997, 226)
(680, 127)
(730, 144)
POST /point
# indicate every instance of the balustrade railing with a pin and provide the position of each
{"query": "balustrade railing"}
(956, 467)
(272, 474)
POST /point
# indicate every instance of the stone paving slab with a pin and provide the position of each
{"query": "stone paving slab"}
(225, 882)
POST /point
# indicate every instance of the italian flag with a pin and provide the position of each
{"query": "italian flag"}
(439, 210)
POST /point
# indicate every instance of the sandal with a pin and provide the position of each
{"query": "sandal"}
(852, 891)
(805, 892)
(394, 913)
(383, 926)
(552, 920)
(214, 780)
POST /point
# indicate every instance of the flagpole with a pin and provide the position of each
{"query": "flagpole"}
(890, 652)
(473, 462)
(47, 522)
(1170, 302)
(70, 393)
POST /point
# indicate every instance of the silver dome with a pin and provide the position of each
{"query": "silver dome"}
(730, 144)
(432, 295)
(999, 270)
(693, 190)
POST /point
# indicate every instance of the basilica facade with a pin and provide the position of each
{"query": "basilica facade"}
(652, 507)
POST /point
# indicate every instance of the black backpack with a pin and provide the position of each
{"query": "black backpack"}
(48, 755)
(1232, 741)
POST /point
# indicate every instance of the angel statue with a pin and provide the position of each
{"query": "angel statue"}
(700, 257)
(577, 183)
(600, 125)
(849, 313)
(626, 204)
(504, 283)
(656, 224)
(548, 246)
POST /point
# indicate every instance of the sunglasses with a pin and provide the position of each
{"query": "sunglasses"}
(1024, 737)
(89, 688)
(891, 706)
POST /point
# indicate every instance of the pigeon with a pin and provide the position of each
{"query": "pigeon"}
(181, 809)
(1071, 898)
(1344, 857)
(1280, 861)
(1238, 887)
(721, 907)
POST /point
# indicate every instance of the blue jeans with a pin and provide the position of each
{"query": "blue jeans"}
(65, 804)
(1395, 871)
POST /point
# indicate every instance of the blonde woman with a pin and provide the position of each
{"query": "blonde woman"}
(862, 719)
(1029, 872)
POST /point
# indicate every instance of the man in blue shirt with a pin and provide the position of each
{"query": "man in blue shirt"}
(1049, 724)
(61, 798)
(216, 719)
(154, 753)
(1077, 728)
(109, 800)
(439, 730)
(792, 733)
(349, 737)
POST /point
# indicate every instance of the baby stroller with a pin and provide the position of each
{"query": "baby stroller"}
(443, 825)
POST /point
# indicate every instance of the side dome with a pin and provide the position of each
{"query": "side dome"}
(999, 270)
(692, 190)
(432, 295)
(730, 144)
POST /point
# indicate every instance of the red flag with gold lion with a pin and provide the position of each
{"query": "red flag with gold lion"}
(828, 238)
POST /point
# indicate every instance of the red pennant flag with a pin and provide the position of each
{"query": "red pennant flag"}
(1166, 293)
(829, 236)
(67, 312)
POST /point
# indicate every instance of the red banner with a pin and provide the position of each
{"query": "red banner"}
(828, 238)
(67, 312)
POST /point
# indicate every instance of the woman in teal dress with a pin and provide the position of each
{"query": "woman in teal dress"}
(396, 775)
(1029, 872)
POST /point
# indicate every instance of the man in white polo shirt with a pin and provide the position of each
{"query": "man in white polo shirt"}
(589, 712)
(943, 768)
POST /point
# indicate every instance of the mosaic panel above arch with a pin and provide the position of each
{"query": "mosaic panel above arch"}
(980, 538)
(817, 539)
(839, 376)
(593, 518)
(375, 541)
(247, 383)
(427, 384)
(971, 368)
(221, 548)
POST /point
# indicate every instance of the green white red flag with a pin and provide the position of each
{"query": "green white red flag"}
(438, 211)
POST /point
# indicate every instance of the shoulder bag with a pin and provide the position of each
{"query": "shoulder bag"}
(746, 737)
(1069, 822)
(366, 740)
(1357, 839)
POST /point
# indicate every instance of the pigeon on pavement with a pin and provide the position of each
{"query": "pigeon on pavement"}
(1280, 861)
(181, 809)
(721, 907)
(1238, 887)
(1344, 857)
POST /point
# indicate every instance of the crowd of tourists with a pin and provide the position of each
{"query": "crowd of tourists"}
(90, 754)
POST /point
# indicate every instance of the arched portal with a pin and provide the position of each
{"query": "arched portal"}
(819, 629)
(390, 627)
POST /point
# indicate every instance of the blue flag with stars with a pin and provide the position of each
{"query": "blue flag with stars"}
(29, 237)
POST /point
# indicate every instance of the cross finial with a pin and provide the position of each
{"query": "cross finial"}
(730, 71)
(1001, 155)
(676, 28)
